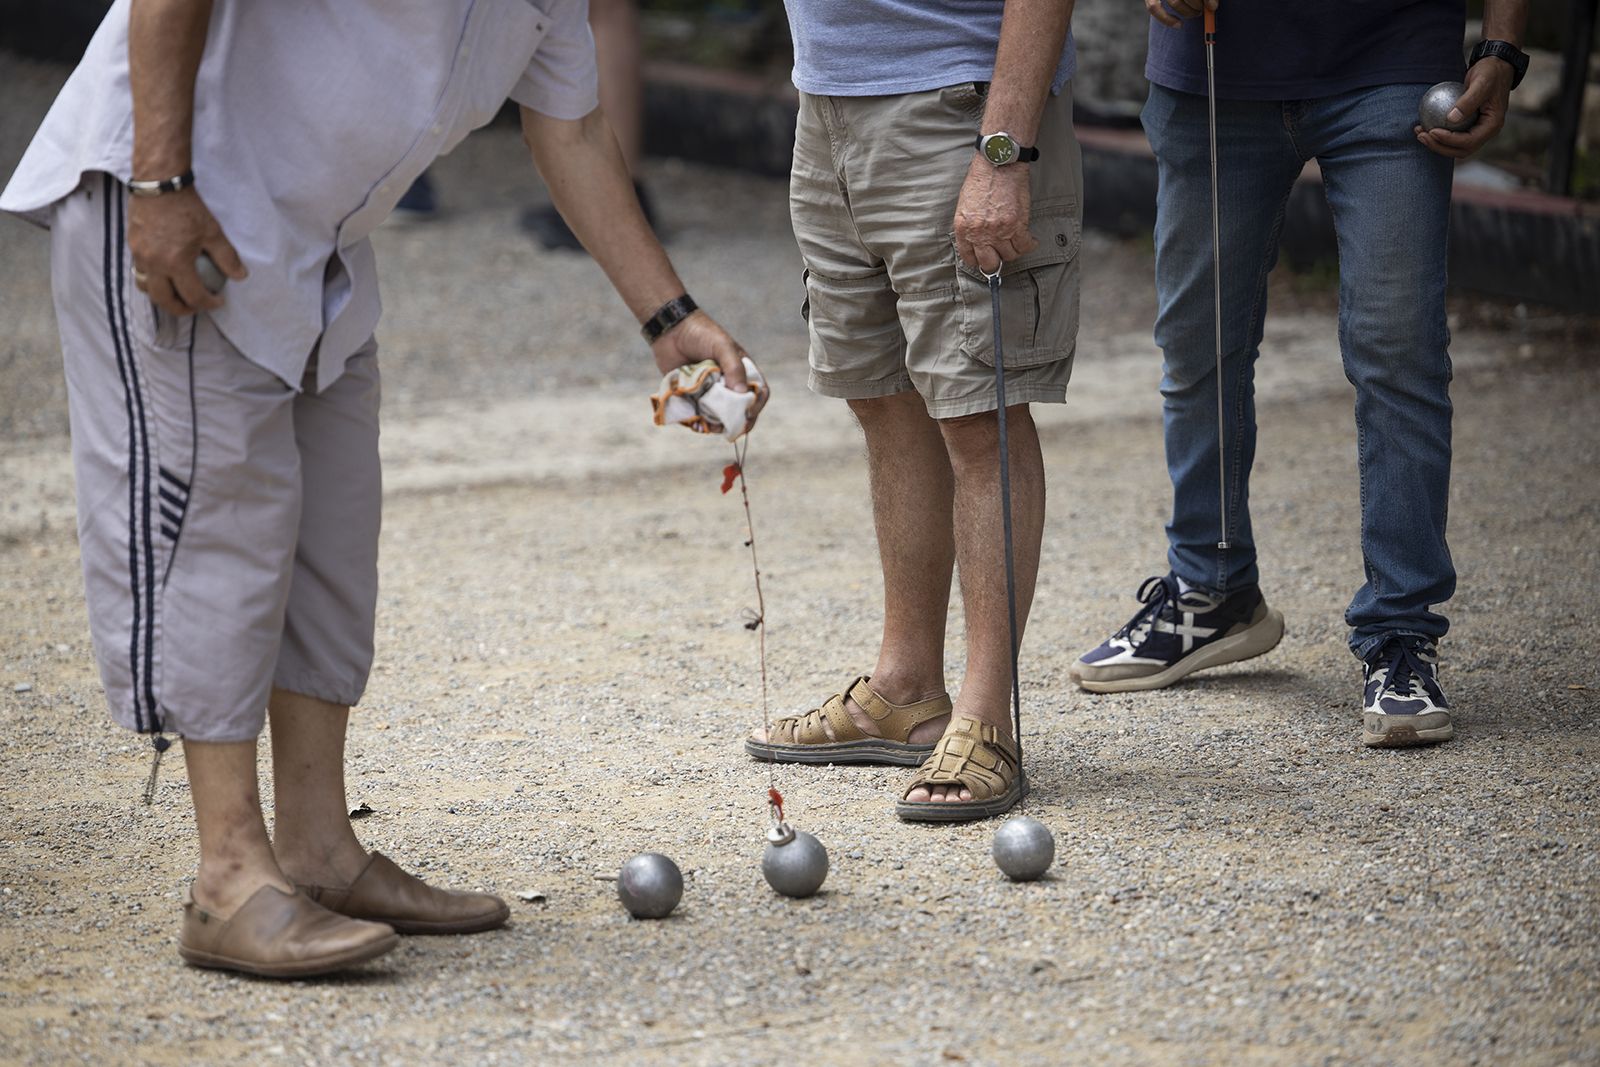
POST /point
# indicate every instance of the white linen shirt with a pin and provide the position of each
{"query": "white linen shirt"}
(311, 119)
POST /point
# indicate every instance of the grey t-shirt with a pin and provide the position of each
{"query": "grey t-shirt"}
(887, 47)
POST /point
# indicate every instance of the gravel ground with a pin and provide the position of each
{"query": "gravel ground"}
(563, 680)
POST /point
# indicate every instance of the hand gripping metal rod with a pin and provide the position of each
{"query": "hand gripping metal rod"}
(1216, 271)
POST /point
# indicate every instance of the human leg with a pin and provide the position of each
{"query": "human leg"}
(1209, 610)
(323, 664)
(179, 444)
(912, 491)
(1390, 199)
(236, 857)
(857, 354)
(1257, 166)
(973, 444)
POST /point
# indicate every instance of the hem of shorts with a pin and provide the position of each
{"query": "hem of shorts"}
(1015, 395)
(124, 719)
(841, 389)
(319, 688)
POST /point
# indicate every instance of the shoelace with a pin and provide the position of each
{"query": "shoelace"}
(1159, 594)
(1408, 670)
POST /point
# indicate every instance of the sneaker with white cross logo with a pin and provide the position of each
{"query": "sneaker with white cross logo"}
(1177, 632)
(1402, 702)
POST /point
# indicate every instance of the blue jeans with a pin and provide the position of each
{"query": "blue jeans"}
(1390, 199)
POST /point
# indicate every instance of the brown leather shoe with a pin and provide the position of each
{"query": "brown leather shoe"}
(280, 935)
(386, 893)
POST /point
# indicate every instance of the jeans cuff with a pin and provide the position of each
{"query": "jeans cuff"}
(1362, 647)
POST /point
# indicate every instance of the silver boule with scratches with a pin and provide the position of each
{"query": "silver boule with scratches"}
(650, 886)
(1024, 848)
(1434, 111)
(211, 275)
(796, 867)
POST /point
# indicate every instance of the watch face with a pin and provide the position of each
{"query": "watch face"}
(999, 149)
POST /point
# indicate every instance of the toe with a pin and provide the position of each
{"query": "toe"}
(919, 795)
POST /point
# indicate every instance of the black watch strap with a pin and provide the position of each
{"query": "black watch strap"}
(667, 316)
(1503, 50)
(1025, 154)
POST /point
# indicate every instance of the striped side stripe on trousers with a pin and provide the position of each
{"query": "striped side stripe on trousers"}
(141, 556)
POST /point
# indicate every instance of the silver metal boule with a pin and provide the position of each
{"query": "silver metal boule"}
(1024, 848)
(797, 867)
(650, 886)
(1434, 111)
(211, 275)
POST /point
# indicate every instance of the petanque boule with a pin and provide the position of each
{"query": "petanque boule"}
(650, 886)
(1434, 111)
(1024, 848)
(794, 863)
(211, 275)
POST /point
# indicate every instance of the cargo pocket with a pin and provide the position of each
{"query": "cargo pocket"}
(855, 327)
(1038, 296)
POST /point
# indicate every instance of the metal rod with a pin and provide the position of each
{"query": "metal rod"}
(1216, 272)
(1005, 509)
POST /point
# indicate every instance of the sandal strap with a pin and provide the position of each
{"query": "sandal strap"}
(808, 728)
(972, 754)
(844, 727)
(896, 721)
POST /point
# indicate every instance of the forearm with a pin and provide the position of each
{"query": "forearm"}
(165, 41)
(590, 185)
(1504, 20)
(1032, 33)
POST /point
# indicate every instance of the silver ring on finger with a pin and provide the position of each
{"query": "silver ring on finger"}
(140, 278)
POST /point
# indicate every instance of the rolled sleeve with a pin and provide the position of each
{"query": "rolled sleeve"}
(561, 80)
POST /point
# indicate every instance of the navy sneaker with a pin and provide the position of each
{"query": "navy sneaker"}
(1402, 704)
(1177, 633)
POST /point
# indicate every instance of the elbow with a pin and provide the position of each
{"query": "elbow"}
(543, 134)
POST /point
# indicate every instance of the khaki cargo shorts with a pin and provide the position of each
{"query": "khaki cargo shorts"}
(873, 197)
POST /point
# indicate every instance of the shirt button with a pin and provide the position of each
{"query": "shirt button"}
(466, 50)
(437, 129)
(383, 190)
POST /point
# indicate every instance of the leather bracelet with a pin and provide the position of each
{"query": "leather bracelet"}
(667, 316)
(165, 185)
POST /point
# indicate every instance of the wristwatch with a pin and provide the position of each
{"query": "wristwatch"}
(1502, 50)
(1002, 148)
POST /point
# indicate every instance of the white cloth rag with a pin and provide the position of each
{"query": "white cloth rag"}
(694, 396)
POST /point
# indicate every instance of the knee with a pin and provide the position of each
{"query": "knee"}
(875, 410)
(975, 439)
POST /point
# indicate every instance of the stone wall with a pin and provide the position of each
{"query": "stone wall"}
(1111, 38)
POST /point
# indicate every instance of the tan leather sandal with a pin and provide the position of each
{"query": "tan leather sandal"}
(804, 738)
(972, 754)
